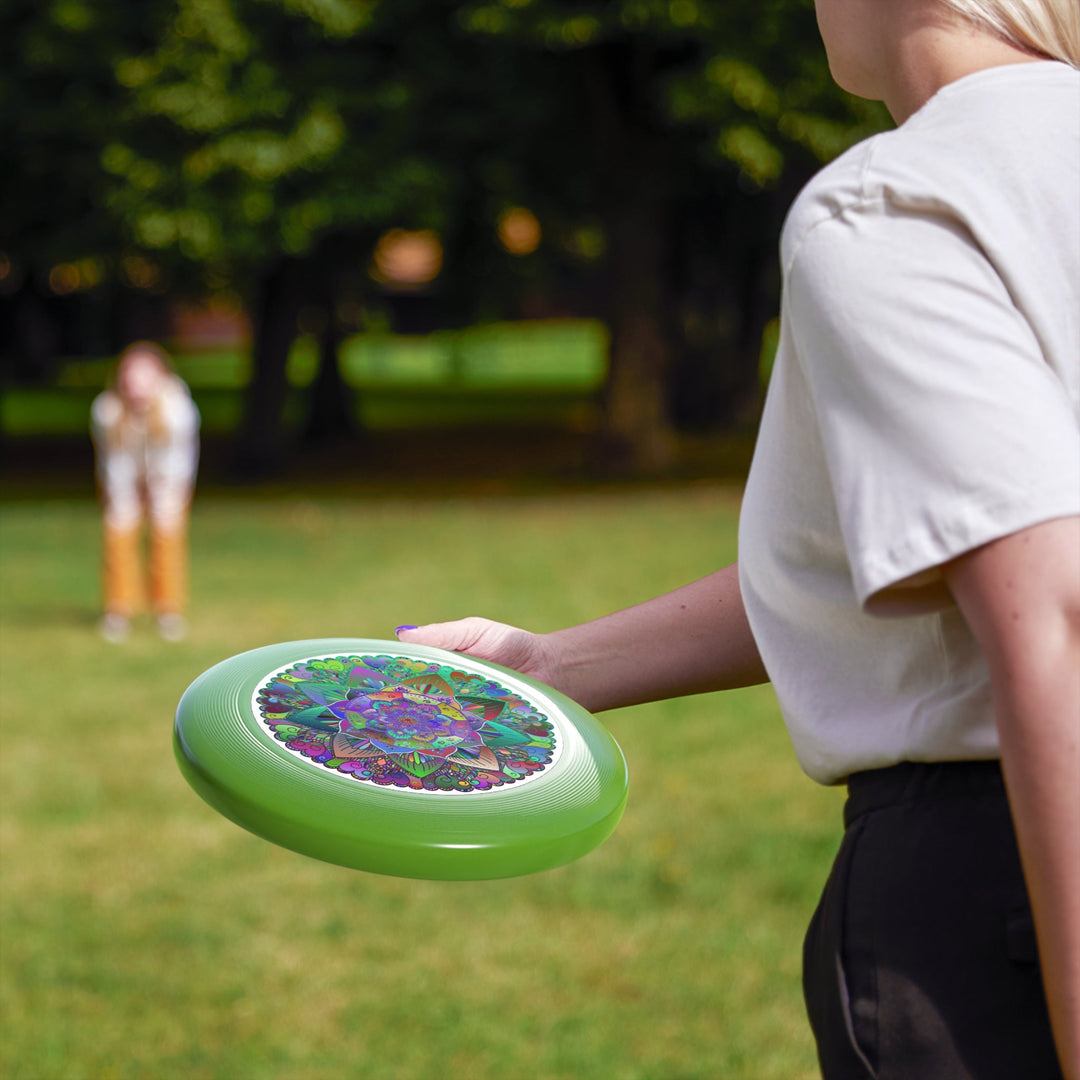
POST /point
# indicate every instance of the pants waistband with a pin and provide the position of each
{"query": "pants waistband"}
(912, 781)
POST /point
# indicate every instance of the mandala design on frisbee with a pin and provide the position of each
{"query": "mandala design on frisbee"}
(411, 724)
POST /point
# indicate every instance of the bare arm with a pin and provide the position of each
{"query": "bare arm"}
(689, 641)
(1021, 598)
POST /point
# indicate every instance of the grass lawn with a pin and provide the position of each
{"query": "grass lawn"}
(545, 371)
(144, 936)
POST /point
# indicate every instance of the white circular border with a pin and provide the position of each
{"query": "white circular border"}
(507, 681)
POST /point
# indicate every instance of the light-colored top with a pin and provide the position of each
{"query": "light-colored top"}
(146, 463)
(925, 401)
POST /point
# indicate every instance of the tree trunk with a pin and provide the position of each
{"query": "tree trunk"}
(35, 337)
(261, 447)
(331, 412)
(635, 190)
(637, 426)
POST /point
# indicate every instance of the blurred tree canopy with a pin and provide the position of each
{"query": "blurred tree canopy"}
(262, 147)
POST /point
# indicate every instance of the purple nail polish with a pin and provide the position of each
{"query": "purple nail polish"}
(398, 629)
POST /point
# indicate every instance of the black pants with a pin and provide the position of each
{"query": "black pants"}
(920, 961)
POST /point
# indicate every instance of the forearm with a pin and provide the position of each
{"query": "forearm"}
(1021, 598)
(1039, 727)
(689, 641)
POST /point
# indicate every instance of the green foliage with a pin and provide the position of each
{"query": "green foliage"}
(286, 120)
(145, 936)
(261, 147)
(226, 131)
(748, 78)
(59, 105)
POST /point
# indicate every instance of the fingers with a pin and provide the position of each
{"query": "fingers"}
(483, 638)
(497, 642)
(458, 636)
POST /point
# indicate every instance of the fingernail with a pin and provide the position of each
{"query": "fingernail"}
(398, 629)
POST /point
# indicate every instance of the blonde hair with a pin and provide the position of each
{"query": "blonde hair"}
(1048, 27)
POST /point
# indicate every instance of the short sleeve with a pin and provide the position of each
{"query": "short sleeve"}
(944, 426)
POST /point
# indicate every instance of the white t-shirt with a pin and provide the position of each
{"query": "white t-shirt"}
(925, 400)
(145, 464)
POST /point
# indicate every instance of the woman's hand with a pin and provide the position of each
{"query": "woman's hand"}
(501, 644)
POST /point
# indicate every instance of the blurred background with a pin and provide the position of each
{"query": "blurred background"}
(477, 302)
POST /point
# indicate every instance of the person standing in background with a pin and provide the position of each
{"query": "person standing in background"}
(146, 438)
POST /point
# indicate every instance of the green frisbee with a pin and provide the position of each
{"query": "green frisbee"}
(400, 759)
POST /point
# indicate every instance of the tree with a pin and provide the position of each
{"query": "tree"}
(687, 106)
(59, 108)
(276, 140)
(262, 146)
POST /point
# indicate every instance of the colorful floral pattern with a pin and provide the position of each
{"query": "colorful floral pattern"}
(406, 723)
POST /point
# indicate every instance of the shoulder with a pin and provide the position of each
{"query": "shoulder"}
(988, 153)
(832, 192)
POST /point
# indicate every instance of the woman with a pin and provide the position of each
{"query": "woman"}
(909, 574)
(146, 435)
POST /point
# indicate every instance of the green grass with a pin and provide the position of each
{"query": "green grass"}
(29, 411)
(146, 937)
(510, 373)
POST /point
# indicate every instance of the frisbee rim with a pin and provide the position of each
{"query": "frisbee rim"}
(231, 759)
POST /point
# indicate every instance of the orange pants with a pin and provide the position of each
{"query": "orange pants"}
(124, 584)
